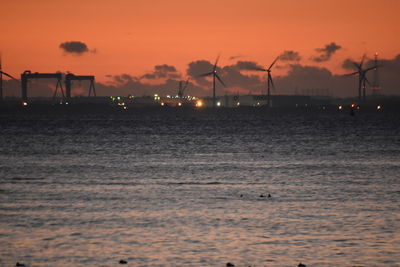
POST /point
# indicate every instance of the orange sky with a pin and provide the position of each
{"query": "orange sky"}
(131, 36)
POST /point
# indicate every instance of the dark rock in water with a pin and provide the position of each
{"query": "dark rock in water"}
(20, 264)
(269, 195)
(123, 262)
(230, 264)
(301, 265)
(241, 195)
(262, 195)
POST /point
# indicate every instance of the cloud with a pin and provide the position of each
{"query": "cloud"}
(302, 79)
(231, 75)
(235, 57)
(75, 47)
(199, 67)
(348, 64)
(236, 80)
(162, 72)
(289, 55)
(326, 52)
(248, 65)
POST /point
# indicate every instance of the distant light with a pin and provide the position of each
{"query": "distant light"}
(66, 103)
(199, 103)
(119, 98)
(218, 104)
(340, 107)
(125, 108)
(258, 103)
(162, 104)
(378, 107)
(238, 104)
(24, 104)
(358, 107)
(353, 105)
(179, 104)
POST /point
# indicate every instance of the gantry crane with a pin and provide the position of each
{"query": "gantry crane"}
(71, 77)
(29, 75)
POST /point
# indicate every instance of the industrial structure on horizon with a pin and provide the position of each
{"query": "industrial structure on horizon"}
(182, 100)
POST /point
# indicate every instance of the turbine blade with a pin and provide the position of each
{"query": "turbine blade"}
(350, 74)
(371, 68)
(356, 65)
(270, 80)
(256, 69)
(273, 63)
(216, 62)
(362, 61)
(220, 80)
(205, 74)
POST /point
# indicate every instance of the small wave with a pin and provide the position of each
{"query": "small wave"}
(195, 183)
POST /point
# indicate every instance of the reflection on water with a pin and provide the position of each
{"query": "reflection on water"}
(183, 189)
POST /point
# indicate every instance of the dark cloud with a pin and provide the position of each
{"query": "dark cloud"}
(348, 64)
(290, 55)
(326, 52)
(248, 65)
(36, 87)
(388, 74)
(299, 78)
(123, 85)
(165, 68)
(238, 81)
(305, 78)
(162, 72)
(74, 47)
(199, 67)
(231, 75)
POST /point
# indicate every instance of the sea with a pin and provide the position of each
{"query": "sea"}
(182, 187)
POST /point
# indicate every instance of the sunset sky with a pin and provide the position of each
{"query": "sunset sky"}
(132, 37)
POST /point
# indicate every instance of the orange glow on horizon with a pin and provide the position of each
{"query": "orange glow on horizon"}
(132, 37)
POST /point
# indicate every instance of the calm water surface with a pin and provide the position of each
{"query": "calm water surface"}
(181, 188)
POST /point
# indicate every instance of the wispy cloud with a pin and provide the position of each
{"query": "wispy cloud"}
(326, 52)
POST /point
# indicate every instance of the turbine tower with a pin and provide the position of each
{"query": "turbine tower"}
(270, 83)
(362, 78)
(1, 79)
(215, 75)
(375, 86)
(182, 88)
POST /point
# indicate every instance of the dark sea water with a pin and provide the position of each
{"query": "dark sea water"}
(182, 188)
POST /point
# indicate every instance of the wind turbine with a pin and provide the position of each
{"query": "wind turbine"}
(215, 75)
(362, 77)
(1, 79)
(270, 83)
(182, 88)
